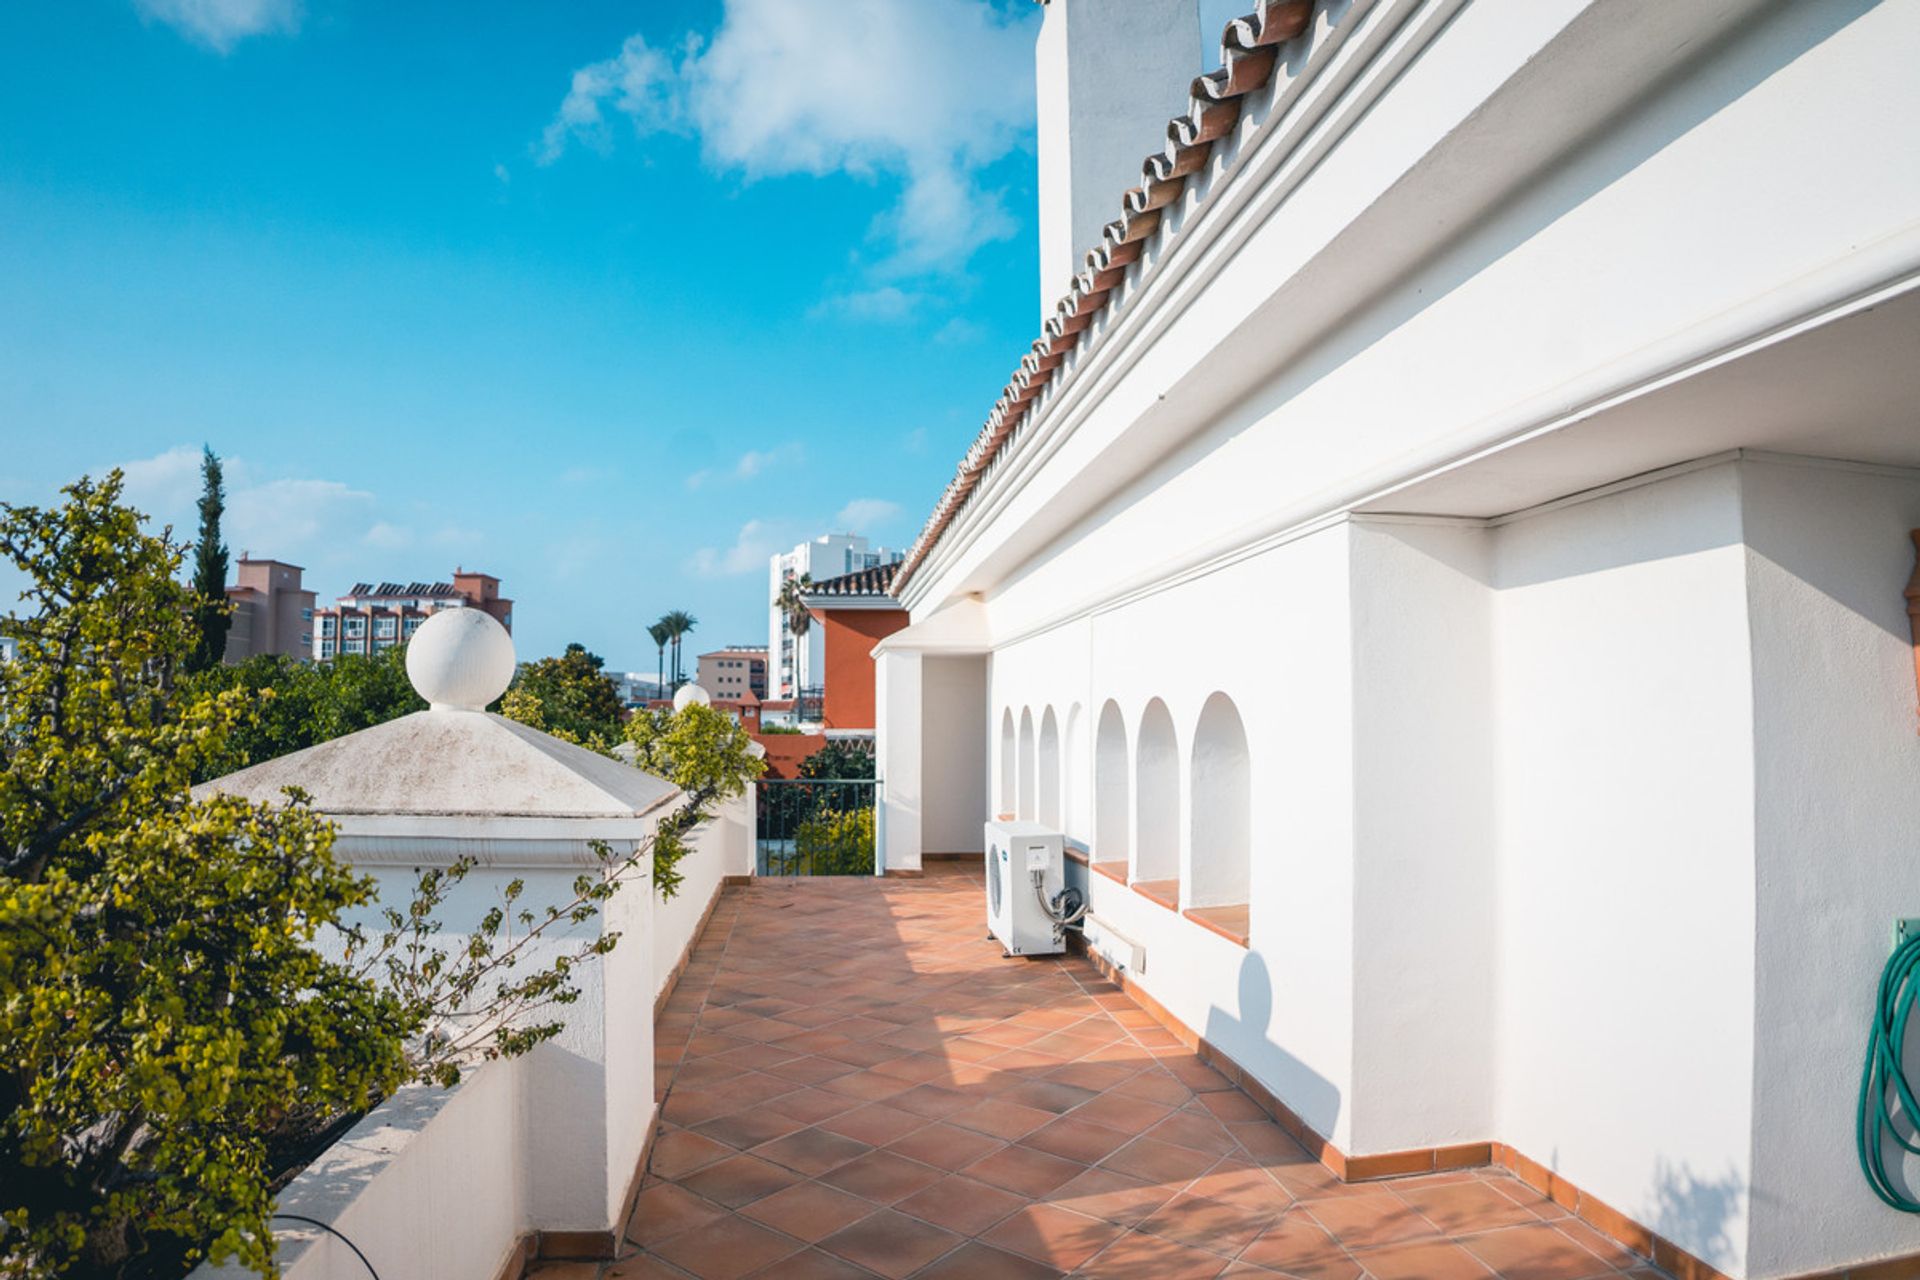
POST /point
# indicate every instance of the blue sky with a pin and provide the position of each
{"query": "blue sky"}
(609, 299)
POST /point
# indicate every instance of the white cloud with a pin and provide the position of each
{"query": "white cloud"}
(283, 517)
(221, 24)
(863, 514)
(454, 535)
(388, 537)
(753, 462)
(638, 82)
(578, 555)
(751, 549)
(926, 93)
(271, 519)
(888, 302)
(958, 332)
(165, 487)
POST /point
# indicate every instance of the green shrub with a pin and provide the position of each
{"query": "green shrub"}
(836, 844)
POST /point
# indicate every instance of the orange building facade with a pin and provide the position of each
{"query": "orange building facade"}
(854, 613)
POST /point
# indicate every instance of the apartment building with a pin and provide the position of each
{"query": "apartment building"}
(272, 610)
(372, 618)
(797, 665)
(733, 672)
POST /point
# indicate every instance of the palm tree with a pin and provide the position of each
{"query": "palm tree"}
(799, 620)
(660, 634)
(678, 624)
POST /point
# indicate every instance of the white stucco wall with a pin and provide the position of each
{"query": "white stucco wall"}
(1338, 348)
(903, 775)
(1424, 953)
(1625, 853)
(721, 848)
(1585, 785)
(440, 1184)
(1838, 805)
(425, 1187)
(1283, 1006)
(954, 737)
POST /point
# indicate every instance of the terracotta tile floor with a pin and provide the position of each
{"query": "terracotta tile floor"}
(855, 1083)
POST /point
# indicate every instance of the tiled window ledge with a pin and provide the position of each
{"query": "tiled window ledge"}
(1164, 893)
(1230, 922)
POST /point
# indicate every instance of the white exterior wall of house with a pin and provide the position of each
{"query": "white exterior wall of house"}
(1625, 890)
(1582, 753)
(1297, 974)
(1836, 780)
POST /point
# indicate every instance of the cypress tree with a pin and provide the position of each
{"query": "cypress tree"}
(212, 615)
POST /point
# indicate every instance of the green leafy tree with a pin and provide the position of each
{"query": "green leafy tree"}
(164, 1018)
(570, 697)
(171, 1040)
(848, 758)
(212, 615)
(292, 705)
(704, 753)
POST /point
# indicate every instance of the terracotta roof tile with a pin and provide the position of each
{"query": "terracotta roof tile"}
(876, 581)
(1248, 53)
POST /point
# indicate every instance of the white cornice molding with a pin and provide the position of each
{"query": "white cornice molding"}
(1304, 117)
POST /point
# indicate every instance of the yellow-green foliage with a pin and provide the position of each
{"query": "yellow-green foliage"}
(706, 755)
(163, 1014)
(836, 844)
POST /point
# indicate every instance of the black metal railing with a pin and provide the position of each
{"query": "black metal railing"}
(815, 826)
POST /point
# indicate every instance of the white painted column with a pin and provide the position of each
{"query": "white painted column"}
(897, 760)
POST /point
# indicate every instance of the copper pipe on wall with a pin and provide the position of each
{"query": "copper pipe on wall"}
(1913, 608)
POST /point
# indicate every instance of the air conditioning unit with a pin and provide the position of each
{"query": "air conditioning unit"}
(1026, 877)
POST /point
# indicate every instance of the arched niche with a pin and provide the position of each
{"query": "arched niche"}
(1156, 822)
(1073, 782)
(1027, 767)
(1049, 765)
(1222, 807)
(1112, 785)
(1006, 801)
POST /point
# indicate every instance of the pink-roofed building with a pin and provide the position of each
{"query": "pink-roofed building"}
(373, 617)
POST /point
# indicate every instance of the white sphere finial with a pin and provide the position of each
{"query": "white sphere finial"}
(460, 660)
(689, 694)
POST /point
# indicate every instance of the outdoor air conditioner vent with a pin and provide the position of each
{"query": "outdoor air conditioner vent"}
(1018, 854)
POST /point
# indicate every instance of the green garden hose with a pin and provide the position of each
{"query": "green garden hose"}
(1889, 1111)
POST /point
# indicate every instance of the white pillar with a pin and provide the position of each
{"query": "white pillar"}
(897, 760)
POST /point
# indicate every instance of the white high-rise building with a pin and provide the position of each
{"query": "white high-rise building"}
(798, 663)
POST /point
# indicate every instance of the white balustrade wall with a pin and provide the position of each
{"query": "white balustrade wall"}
(446, 1184)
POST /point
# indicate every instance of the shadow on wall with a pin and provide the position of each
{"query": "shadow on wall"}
(1248, 1039)
(1697, 1213)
